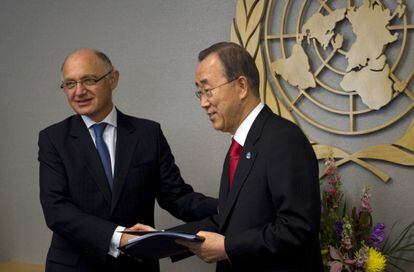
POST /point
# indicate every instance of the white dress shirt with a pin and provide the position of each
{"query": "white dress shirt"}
(242, 131)
(109, 137)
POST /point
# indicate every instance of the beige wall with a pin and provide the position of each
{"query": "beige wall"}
(154, 44)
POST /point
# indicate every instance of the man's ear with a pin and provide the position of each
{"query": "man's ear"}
(113, 79)
(243, 86)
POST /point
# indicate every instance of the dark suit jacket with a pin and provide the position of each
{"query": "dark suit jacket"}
(270, 216)
(79, 206)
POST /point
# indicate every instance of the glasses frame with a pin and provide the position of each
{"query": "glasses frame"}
(82, 81)
(208, 92)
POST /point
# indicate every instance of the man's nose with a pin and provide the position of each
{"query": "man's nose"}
(204, 102)
(80, 88)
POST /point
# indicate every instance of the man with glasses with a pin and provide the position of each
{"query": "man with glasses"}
(101, 171)
(269, 202)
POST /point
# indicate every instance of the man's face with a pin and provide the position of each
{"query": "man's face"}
(93, 101)
(223, 106)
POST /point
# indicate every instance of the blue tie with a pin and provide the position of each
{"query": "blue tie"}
(103, 151)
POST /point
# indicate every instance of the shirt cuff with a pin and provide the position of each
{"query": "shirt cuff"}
(116, 239)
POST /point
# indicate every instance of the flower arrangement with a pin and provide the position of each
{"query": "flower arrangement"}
(349, 240)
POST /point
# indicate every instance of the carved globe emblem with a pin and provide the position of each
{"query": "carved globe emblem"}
(342, 58)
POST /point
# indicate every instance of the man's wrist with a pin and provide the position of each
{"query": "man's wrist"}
(115, 242)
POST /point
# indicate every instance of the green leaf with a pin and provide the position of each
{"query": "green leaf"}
(407, 249)
(387, 240)
(402, 236)
(406, 246)
(401, 259)
(344, 210)
(396, 266)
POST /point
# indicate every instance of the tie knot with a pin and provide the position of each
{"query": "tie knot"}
(235, 149)
(98, 129)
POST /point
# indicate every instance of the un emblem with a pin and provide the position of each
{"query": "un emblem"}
(346, 61)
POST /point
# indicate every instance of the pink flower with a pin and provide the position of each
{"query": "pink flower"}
(332, 180)
(346, 240)
(365, 201)
(331, 190)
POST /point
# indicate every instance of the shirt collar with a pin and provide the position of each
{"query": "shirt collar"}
(110, 119)
(241, 133)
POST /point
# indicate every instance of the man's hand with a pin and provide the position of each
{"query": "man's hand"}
(211, 250)
(125, 238)
(137, 227)
(141, 227)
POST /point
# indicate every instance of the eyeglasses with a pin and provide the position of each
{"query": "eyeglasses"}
(86, 81)
(208, 92)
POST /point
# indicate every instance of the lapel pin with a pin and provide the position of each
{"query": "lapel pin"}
(248, 155)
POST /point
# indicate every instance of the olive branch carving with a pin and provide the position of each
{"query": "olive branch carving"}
(246, 31)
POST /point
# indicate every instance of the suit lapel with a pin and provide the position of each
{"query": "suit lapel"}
(246, 161)
(85, 151)
(126, 141)
(224, 185)
(243, 169)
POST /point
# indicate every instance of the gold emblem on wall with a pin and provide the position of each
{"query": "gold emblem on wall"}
(345, 59)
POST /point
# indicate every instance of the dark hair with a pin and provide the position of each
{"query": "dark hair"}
(104, 58)
(236, 62)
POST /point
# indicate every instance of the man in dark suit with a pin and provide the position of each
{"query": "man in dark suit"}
(269, 202)
(101, 171)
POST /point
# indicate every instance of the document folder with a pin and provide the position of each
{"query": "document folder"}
(156, 245)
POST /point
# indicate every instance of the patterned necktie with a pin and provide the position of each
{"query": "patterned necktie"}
(103, 151)
(235, 150)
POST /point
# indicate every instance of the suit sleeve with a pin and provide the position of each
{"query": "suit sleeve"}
(90, 233)
(292, 181)
(174, 194)
(207, 224)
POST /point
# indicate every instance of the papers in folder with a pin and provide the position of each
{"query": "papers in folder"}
(157, 244)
